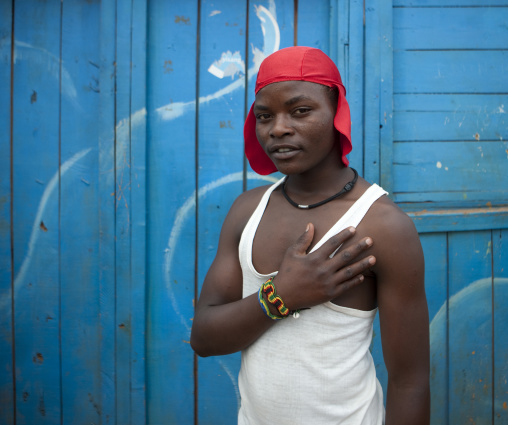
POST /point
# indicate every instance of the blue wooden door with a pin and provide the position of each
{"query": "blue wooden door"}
(121, 153)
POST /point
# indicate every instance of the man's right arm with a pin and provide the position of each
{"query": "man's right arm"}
(224, 322)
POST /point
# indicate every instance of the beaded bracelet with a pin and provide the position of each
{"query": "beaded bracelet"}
(265, 307)
(271, 295)
(269, 289)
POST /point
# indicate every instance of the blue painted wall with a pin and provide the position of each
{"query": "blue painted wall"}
(121, 152)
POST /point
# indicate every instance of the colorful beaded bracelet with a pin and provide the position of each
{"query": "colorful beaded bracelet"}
(269, 289)
(265, 307)
(271, 295)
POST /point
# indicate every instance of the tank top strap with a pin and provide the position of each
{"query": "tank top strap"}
(355, 214)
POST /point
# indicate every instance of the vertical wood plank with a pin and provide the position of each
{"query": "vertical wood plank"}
(343, 28)
(123, 208)
(313, 24)
(79, 230)
(36, 177)
(171, 125)
(372, 108)
(106, 185)
(355, 87)
(435, 248)
(220, 159)
(138, 211)
(500, 366)
(470, 327)
(6, 324)
(386, 96)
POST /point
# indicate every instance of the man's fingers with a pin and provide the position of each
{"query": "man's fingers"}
(331, 246)
(353, 271)
(345, 256)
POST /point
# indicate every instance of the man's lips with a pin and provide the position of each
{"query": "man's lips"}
(284, 152)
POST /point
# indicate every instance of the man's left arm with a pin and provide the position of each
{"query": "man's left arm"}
(404, 319)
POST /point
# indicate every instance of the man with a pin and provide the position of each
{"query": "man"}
(303, 266)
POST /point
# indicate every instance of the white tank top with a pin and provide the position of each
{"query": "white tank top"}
(316, 369)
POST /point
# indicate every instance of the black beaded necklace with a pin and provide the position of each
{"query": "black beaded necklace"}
(346, 188)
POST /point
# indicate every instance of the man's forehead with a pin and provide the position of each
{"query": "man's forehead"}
(292, 91)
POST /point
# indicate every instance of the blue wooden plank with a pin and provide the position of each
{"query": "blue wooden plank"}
(312, 24)
(220, 157)
(138, 212)
(460, 219)
(80, 322)
(372, 109)
(436, 287)
(106, 209)
(356, 83)
(271, 27)
(171, 196)
(386, 95)
(450, 28)
(342, 31)
(123, 206)
(334, 29)
(500, 273)
(36, 177)
(450, 117)
(6, 324)
(470, 327)
(450, 71)
(480, 167)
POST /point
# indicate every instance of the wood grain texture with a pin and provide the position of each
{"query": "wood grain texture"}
(219, 155)
(171, 197)
(79, 227)
(7, 360)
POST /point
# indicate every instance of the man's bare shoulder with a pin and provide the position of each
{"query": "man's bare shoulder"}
(243, 207)
(385, 217)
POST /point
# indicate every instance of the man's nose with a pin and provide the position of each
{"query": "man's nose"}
(281, 126)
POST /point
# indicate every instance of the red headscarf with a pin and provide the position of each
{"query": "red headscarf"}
(297, 64)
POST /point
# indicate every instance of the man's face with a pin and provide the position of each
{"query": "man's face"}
(294, 125)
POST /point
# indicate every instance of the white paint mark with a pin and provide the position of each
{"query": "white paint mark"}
(215, 12)
(471, 309)
(180, 217)
(34, 236)
(41, 58)
(271, 43)
(460, 300)
(446, 121)
(229, 65)
(438, 164)
(500, 110)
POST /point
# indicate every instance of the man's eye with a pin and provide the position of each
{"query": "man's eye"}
(262, 116)
(300, 111)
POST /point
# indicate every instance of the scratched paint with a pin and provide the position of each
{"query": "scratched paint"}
(39, 57)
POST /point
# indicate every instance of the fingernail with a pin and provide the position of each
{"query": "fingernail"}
(372, 260)
(368, 241)
(352, 229)
(307, 228)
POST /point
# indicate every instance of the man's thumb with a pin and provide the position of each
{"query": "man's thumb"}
(304, 241)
